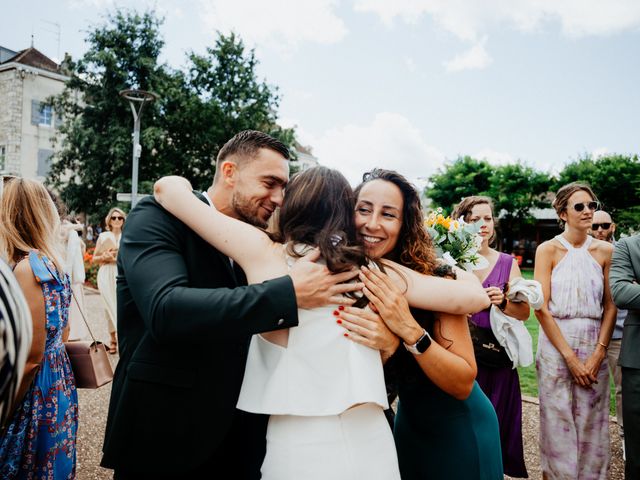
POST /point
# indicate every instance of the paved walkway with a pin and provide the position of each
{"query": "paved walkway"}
(94, 404)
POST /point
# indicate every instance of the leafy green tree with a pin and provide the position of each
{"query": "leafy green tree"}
(95, 160)
(461, 178)
(615, 179)
(198, 110)
(516, 189)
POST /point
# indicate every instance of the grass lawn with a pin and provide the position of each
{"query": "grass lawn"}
(528, 380)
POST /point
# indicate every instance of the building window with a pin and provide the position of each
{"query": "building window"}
(44, 162)
(41, 114)
(46, 115)
(3, 158)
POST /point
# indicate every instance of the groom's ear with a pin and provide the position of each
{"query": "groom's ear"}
(228, 170)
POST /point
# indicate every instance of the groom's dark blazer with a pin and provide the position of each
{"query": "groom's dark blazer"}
(185, 320)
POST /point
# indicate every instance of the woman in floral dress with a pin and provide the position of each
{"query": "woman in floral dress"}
(40, 440)
(577, 322)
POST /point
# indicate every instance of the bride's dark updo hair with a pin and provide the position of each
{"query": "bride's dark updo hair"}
(318, 211)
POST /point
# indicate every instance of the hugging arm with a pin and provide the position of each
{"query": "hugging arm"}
(449, 362)
(366, 327)
(462, 296)
(255, 252)
(246, 244)
(153, 263)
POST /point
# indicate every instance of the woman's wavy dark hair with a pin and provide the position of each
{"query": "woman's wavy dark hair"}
(318, 211)
(414, 248)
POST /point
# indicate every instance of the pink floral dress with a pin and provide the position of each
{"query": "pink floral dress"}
(574, 421)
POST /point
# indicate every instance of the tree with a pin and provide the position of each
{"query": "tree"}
(95, 160)
(515, 190)
(464, 177)
(615, 179)
(198, 110)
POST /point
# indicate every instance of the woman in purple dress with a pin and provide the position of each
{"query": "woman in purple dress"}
(500, 383)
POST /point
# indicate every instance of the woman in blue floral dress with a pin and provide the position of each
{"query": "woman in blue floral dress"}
(39, 441)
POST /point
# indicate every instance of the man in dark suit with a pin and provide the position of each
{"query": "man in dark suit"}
(185, 318)
(624, 278)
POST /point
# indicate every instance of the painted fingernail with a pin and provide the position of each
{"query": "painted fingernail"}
(341, 307)
(339, 321)
(336, 312)
(346, 334)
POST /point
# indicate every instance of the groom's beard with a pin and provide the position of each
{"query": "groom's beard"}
(248, 212)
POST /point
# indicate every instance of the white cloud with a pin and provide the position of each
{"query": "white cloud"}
(470, 19)
(389, 141)
(494, 157)
(476, 58)
(280, 24)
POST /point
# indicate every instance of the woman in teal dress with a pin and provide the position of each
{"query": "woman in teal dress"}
(40, 440)
(445, 426)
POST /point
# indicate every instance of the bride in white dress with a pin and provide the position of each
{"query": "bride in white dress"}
(325, 394)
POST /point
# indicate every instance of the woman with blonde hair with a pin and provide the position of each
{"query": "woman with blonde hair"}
(577, 321)
(40, 439)
(105, 254)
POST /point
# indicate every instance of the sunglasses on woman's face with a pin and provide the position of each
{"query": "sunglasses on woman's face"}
(117, 218)
(598, 226)
(593, 206)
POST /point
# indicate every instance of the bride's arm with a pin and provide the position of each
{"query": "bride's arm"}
(462, 296)
(245, 243)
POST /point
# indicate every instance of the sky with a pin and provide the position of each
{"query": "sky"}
(407, 84)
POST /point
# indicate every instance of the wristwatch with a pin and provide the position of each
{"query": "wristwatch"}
(421, 346)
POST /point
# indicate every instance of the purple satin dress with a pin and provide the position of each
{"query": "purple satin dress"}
(502, 385)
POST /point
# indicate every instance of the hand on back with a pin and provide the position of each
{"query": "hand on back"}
(316, 286)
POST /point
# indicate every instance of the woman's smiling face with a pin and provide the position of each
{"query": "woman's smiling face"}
(379, 216)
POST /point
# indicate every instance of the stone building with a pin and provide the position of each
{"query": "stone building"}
(27, 124)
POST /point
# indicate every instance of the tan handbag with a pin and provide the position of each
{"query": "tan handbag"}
(89, 359)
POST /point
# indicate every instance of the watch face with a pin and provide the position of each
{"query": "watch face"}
(421, 346)
(423, 343)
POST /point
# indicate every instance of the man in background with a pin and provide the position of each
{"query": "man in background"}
(625, 290)
(603, 228)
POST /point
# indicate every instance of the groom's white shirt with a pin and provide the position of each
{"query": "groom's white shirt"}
(206, 197)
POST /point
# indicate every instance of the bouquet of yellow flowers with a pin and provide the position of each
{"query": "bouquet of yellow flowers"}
(456, 242)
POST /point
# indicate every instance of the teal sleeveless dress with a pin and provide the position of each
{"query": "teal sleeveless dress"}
(438, 436)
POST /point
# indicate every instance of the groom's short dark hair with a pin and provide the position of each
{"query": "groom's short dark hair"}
(245, 146)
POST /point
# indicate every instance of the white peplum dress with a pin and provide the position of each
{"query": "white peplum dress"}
(326, 395)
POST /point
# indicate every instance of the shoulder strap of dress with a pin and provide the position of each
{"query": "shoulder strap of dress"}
(564, 242)
(586, 244)
(39, 267)
(505, 265)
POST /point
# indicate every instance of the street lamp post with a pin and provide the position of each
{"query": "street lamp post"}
(137, 100)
